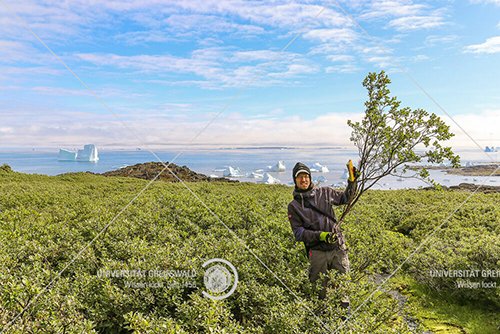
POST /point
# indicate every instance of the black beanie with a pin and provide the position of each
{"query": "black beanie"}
(301, 168)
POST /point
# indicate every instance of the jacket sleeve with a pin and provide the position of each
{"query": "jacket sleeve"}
(342, 197)
(299, 231)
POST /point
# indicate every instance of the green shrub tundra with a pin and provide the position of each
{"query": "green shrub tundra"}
(46, 221)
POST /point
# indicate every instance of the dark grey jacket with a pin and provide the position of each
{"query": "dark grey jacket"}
(308, 224)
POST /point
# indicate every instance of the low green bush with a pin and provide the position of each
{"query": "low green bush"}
(47, 222)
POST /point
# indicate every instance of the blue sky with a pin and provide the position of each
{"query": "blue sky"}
(166, 68)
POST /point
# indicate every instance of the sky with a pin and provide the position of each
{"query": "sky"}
(161, 71)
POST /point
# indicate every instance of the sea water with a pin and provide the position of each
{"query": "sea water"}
(205, 161)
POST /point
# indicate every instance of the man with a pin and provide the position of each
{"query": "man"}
(315, 229)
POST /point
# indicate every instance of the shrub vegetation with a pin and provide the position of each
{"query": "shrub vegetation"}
(46, 221)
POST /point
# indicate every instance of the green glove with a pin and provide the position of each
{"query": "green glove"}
(356, 172)
(329, 237)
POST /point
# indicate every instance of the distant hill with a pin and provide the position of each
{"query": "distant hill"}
(149, 170)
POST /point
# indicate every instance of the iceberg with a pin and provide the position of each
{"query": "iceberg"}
(89, 153)
(232, 172)
(65, 155)
(318, 168)
(345, 176)
(268, 179)
(254, 175)
(469, 164)
(279, 167)
(319, 179)
(490, 149)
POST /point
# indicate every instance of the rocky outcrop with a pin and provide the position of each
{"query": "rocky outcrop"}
(150, 170)
(469, 187)
(477, 170)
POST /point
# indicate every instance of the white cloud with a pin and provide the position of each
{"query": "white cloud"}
(60, 91)
(384, 9)
(418, 58)
(16, 51)
(492, 45)
(219, 67)
(404, 15)
(336, 58)
(381, 62)
(185, 27)
(41, 129)
(479, 126)
(496, 2)
(295, 70)
(342, 35)
(347, 68)
(432, 40)
(417, 22)
(234, 129)
(245, 56)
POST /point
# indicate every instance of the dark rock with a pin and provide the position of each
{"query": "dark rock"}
(477, 170)
(469, 188)
(158, 172)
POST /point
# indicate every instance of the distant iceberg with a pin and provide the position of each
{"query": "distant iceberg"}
(254, 175)
(318, 168)
(469, 164)
(319, 179)
(490, 149)
(65, 155)
(279, 167)
(268, 179)
(345, 176)
(232, 172)
(89, 153)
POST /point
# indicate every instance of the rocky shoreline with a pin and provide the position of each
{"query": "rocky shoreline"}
(479, 170)
(150, 170)
(469, 188)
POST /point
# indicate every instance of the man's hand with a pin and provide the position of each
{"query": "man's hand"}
(356, 172)
(353, 172)
(330, 237)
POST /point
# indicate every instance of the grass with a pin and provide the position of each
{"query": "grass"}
(443, 313)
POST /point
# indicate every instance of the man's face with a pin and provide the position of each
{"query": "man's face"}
(303, 181)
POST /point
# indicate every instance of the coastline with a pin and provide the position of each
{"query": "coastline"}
(476, 170)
